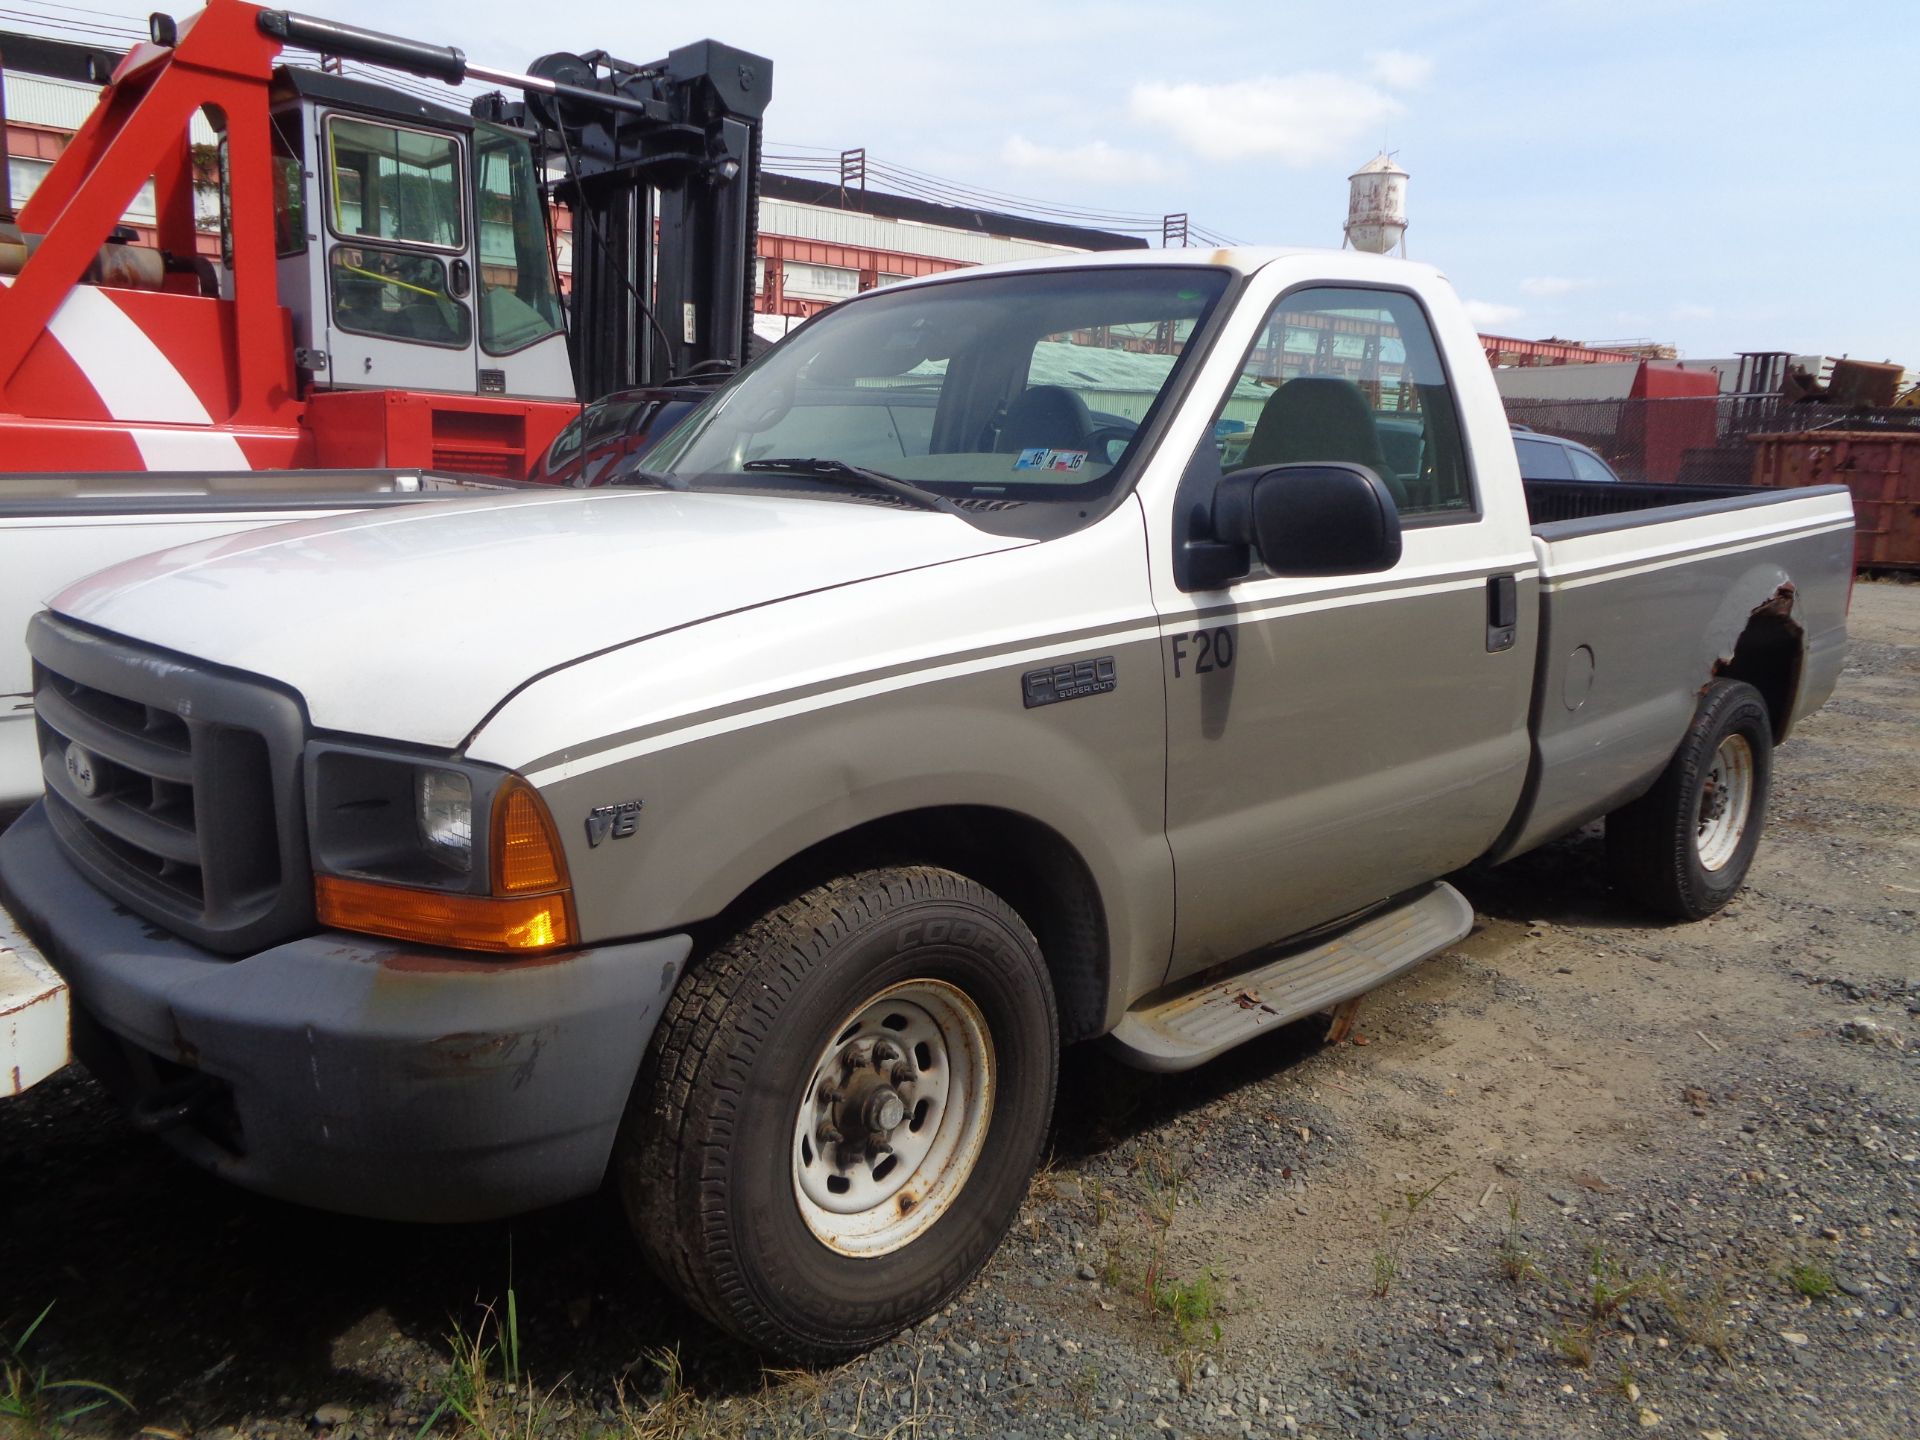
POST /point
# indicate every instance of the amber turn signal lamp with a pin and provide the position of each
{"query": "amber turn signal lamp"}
(435, 917)
(530, 909)
(526, 852)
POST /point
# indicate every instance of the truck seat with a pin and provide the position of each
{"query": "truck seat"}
(1320, 417)
(1046, 416)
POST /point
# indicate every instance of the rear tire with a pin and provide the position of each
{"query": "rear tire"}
(908, 1008)
(1683, 848)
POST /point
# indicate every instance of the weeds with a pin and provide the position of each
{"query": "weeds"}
(1575, 1343)
(1190, 1304)
(1515, 1260)
(466, 1389)
(39, 1406)
(1700, 1319)
(1084, 1390)
(1102, 1200)
(1396, 1218)
(1610, 1286)
(1811, 1280)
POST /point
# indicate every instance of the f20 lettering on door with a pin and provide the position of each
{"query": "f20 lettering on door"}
(1202, 652)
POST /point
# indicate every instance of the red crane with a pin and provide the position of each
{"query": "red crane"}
(385, 292)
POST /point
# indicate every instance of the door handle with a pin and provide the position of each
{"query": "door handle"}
(1503, 612)
(461, 279)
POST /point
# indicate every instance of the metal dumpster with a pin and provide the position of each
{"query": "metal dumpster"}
(1880, 467)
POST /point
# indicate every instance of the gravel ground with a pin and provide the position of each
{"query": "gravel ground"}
(1579, 1175)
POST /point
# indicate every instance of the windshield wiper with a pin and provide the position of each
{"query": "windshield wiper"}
(826, 469)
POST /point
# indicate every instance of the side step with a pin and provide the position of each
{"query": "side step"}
(1192, 1027)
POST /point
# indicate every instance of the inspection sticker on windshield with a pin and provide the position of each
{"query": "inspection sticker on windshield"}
(1041, 458)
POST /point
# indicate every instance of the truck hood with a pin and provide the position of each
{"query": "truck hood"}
(412, 624)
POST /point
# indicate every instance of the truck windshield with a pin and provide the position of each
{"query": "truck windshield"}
(1015, 388)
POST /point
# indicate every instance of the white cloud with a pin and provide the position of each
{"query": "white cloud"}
(1095, 161)
(1487, 313)
(1399, 69)
(1297, 119)
(1545, 285)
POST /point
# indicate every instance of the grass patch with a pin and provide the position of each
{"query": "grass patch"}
(1699, 1317)
(1514, 1259)
(1813, 1281)
(33, 1403)
(1189, 1304)
(1574, 1343)
(1396, 1218)
(1610, 1285)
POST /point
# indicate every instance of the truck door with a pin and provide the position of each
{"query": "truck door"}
(398, 255)
(1335, 740)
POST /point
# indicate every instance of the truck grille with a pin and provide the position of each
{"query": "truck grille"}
(174, 786)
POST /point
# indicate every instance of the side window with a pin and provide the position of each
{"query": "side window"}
(1353, 376)
(385, 183)
(289, 186)
(1590, 467)
(1542, 460)
(517, 301)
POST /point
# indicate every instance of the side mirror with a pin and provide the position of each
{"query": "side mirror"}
(1321, 518)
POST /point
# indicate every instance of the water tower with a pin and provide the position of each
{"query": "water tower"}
(1377, 207)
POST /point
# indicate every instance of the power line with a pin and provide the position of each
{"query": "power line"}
(790, 157)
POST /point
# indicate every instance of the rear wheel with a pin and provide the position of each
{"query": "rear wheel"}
(1683, 848)
(841, 1110)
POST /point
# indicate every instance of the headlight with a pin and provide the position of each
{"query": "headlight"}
(443, 806)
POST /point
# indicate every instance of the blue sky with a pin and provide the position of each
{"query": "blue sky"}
(1721, 175)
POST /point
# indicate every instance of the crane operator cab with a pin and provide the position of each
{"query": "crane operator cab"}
(412, 246)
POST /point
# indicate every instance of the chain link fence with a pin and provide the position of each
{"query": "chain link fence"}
(1692, 440)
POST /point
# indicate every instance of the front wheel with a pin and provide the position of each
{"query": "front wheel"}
(1683, 848)
(841, 1110)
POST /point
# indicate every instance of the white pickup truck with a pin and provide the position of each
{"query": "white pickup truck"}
(1115, 647)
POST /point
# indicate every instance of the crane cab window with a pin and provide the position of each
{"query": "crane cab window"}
(398, 295)
(394, 185)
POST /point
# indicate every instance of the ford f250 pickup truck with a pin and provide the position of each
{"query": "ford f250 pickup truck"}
(1115, 647)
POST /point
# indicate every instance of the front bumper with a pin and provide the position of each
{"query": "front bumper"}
(355, 1074)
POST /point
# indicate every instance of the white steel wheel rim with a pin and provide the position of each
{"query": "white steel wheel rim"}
(1726, 803)
(911, 1070)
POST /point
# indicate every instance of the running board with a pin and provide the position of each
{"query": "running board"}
(1193, 1027)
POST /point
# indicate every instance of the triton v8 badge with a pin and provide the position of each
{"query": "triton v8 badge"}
(618, 821)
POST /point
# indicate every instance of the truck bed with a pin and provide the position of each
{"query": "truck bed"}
(1549, 502)
(1647, 593)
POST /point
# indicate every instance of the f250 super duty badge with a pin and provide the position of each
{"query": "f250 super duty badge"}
(1069, 681)
(618, 821)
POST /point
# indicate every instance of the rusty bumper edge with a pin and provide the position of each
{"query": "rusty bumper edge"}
(35, 1034)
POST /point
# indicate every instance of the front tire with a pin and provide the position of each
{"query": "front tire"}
(841, 1110)
(1683, 848)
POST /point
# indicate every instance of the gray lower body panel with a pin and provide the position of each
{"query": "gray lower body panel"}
(355, 1074)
